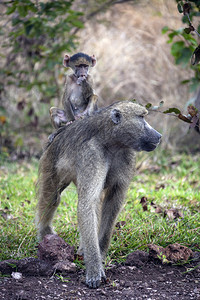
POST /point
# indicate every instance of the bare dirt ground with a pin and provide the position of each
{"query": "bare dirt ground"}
(140, 277)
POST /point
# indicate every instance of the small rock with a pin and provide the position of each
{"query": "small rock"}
(122, 282)
(196, 291)
(103, 292)
(161, 279)
(16, 275)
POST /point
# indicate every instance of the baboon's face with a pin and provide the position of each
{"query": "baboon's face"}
(132, 128)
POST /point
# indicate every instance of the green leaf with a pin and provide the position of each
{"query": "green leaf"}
(184, 57)
(27, 27)
(185, 81)
(190, 39)
(165, 29)
(22, 10)
(187, 30)
(181, 53)
(11, 9)
(172, 110)
(176, 48)
(180, 8)
(148, 105)
(173, 34)
(77, 23)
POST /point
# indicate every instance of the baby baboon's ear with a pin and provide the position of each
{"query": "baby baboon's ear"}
(66, 61)
(116, 116)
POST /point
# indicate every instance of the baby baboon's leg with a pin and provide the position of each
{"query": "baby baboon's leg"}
(58, 116)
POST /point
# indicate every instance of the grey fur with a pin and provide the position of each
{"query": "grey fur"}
(97, 153)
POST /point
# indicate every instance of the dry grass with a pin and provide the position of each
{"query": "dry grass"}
(134, 61)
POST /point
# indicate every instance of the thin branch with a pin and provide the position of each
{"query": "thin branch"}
(187, 14)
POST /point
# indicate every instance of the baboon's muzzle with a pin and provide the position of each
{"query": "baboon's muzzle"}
(151, 138)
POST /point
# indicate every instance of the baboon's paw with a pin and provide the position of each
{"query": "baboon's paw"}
(94, 281)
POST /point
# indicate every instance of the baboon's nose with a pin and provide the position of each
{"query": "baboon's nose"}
(159, 136)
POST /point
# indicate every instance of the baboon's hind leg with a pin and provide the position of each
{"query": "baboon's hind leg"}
(110, 209)
(49, 199)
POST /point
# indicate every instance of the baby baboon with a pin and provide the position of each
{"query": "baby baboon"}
(98, 155)
(79, 98)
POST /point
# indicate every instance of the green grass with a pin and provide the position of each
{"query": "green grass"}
(170, 181)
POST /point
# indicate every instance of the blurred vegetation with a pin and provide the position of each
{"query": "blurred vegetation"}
(184, 47)
(35, 35)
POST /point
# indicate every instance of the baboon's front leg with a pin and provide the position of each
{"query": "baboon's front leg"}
(89, 195)
(98, 215)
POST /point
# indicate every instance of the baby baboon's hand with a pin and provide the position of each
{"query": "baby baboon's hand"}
(93, 281)
(81, 79)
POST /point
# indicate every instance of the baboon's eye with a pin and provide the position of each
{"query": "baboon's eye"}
(116, 116)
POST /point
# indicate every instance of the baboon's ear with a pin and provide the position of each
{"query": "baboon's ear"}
(94, 61)
(66, 61)
(116, 116)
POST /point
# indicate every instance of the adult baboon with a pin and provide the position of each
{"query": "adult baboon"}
(97, 153)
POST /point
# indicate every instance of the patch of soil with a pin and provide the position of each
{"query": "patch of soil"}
(139, 278)
(53, 275)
